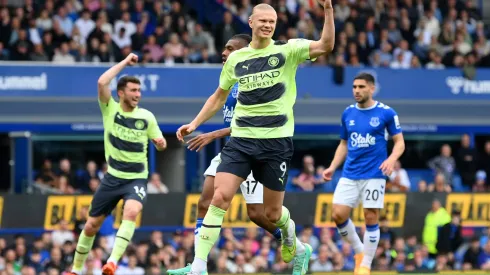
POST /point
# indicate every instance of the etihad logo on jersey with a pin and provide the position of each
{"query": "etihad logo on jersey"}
(360, 141)
(461, 84)
(128, 134)
(259, 80)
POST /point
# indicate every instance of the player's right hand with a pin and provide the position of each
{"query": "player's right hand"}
(328, 173)
(197, 143)
(131, 59)
(185, 130)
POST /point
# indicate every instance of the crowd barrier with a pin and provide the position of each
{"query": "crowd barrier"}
(405, 212)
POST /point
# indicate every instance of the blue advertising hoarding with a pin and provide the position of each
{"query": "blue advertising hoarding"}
(199, 82)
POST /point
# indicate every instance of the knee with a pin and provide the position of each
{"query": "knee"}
(371, 216)
(92, 226)
(273, 213)
(131, 212)
(221, 199)
(338, 215)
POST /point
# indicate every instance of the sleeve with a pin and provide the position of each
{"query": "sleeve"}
(153, 128)
(299, 50)
(343, 130)
(392, 122)
(108, 108)
(227, 78)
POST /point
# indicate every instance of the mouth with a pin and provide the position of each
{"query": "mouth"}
(266, 32)
(223, 59)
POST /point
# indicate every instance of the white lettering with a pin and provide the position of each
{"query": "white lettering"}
(14, 82)
(359, 141)
(149, 82)
(461, 84)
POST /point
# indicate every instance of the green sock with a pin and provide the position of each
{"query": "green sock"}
(81, 252)
(209, 233)
(283, 222)
(123, 237)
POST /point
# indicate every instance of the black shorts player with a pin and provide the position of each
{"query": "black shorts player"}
(268, 159)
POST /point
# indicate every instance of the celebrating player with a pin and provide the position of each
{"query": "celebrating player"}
(251, 189)
(363, 145)
(127, 129)
(261, 129)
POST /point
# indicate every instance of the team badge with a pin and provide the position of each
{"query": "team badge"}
(273, 61)
(374, 121)
(139, 124)
(234, 92)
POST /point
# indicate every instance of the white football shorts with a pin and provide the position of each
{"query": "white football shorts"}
(252, 191)
(371, 192)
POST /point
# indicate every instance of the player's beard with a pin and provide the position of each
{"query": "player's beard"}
(130, 103)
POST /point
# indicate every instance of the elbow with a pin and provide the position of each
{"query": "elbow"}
(329, 47)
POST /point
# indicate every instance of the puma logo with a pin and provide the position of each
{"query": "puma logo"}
(245, 67)
(281, 180)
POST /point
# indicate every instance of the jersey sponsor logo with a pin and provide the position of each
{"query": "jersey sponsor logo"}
(259, 80)
(228, 113)
(374, 121)
(474, 208)
(394, 211)
(68, 208)
(235, 217)
(360, 141)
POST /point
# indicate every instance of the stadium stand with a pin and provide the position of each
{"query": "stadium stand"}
(395, 34)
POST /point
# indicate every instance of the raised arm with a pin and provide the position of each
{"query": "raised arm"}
(106, 78)
(327, 40)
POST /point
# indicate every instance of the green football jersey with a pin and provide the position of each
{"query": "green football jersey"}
(126, 137)
(267, 88)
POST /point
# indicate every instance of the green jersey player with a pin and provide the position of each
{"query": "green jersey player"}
(261, 129)
(127, 129)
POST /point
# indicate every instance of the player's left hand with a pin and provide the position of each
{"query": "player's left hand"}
(387, 166)
(185, 130)
(197, 143)
(160, 143)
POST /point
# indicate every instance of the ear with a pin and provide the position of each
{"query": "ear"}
(250, 21)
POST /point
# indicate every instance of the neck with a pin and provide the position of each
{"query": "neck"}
(126, 108)
(366, 104)
(260, 43)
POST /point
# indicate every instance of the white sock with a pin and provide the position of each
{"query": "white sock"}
(287, 235)
(348, 232)
(199, 265)
(371, 240)
(300, 247)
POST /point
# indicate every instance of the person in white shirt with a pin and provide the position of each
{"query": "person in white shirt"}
(399, 180)
(240, 266)
(85, 25)
(62, 234)
(156, 186)
(131, 269)
(125, 22)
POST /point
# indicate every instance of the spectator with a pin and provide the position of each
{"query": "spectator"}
(156, 52)
(126, 24)
(307, 180)
(62, 234)
(386, 233)
(64, 21)
(449, 238)
(224, 31)
(156, 186)
(121, 39)
(322, 263)
(439, 185)
(174, 48)
(472, 254)
(437, 217)
(39, 54)
(63, 56)
(480, 184)
(132, 268)
(444, 163)
(422, 186)
(85, 25)
(436, 61)
(399, 181)
(484, 257)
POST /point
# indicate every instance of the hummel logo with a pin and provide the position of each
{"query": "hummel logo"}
(351, 123)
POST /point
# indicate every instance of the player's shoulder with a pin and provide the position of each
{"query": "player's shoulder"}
(145, 113)
(385, 108)
(350, 108)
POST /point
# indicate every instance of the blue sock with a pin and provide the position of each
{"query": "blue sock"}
(277, 234)
(198, 226)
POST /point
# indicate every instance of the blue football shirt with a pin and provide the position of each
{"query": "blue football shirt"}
(229, 107)
(366, 132)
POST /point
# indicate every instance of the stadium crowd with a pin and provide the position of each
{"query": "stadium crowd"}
(377, 33)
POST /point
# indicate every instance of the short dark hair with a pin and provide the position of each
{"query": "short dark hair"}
(123, 81)
(243, 37)
(369, 78)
